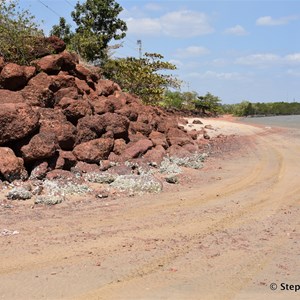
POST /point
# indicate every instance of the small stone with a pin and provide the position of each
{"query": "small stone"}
(37, 190)
(99, 177)
(137, 183)
(173, 179)
(197, 122)
(49, 200)
(102, 194)
(206, 136)
(19, 193)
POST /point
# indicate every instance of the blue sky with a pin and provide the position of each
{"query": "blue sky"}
(237, 50)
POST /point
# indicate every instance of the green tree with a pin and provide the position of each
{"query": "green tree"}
(142, 76)
(242, 109)
(189, 99)
(173, 99)
(208, 102)
(19, 33)
(97, 24)
(63, 31)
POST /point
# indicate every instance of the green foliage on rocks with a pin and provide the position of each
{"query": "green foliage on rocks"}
(142, 76)
(63, 31)
(19, 33)
(97, 24)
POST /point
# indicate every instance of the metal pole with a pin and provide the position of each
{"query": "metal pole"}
(139, 42)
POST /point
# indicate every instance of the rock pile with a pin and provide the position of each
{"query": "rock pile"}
(57, 114)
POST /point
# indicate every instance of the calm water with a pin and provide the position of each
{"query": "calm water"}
(277, 121)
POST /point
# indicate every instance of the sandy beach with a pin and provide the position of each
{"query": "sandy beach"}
(227, 231)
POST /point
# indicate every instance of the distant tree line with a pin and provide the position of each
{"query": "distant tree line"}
(247, 108)
(192, 101)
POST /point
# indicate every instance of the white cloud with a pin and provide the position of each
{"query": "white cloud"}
(181, 24)
(260, 59)
(153, 6)
(293, 58)
(176, 62)
(219, 62)
(268, 59)
(269, 21)
(216, 75)
(222, 75)
(185, 23)
(145, 26)
(236, 30)
(192, 51)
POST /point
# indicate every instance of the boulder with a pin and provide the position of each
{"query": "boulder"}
(55, 43)
(56, 122)
(49, 45)
(155, 155)
(106, 87)
(119, 146)
(192, 148)
(61, 81)
(176, 136)
(11, 167)
(52, 64)
(87, 74)
(89, 128)
(94, 151)
(42, 145)
(17, 120)
(14, 77)
(7, 96)
(117, 124)
(38, 92)
(82, 167)
(143, 128)
(82, 86)
(134, 137)
(165, 124)
(158, 139)
(130, 111)
(39, 170)
(138, 148)
(66, 160)
(104, 104)
(60, 175)
(69, 92)
(75, 109)
(178, 151)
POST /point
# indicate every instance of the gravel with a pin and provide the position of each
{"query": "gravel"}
(137, 183)
(19, 193)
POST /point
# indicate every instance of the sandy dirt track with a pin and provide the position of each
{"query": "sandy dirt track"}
(229, 232)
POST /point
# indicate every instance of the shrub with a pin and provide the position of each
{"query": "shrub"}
(19, 34)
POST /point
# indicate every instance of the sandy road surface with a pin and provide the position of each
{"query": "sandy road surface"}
(228, 234)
